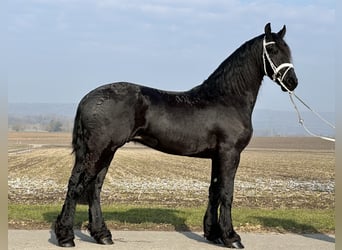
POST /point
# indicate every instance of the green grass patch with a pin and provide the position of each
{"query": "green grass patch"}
(181, 219)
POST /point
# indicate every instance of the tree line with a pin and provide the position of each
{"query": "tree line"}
(50, 123)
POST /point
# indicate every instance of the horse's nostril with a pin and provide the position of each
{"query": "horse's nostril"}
(294, 83)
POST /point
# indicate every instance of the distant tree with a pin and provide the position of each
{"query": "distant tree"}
(18, 127)
(54, 126)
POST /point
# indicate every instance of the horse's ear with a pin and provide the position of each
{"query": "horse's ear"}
(268, 32)
(282, 32)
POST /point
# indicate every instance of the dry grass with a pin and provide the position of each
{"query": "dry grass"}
(40, 138)
(273, 173)
(281, 177)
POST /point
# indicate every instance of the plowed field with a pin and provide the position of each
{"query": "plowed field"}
(273, 172)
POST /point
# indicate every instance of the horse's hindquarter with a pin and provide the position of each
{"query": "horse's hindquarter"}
(108, 113)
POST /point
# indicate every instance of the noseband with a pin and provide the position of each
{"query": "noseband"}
(276, 70)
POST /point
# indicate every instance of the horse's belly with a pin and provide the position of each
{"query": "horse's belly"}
(178, 144)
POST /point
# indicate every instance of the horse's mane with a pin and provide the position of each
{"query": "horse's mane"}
(237, 72)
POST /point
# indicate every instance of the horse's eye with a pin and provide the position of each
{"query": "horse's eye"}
(273, 50)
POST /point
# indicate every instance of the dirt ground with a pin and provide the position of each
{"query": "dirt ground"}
(274, 172)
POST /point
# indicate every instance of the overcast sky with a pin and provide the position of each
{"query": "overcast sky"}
(58, 50)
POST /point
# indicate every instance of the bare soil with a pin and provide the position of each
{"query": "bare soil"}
(273, 173)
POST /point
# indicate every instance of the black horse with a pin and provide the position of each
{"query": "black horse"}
(212, 120)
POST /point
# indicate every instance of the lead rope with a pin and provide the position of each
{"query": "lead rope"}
(301, 120)
(276, 70)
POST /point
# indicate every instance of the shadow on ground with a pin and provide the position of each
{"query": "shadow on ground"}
(286, 225)
(177, 220)
(158, 216)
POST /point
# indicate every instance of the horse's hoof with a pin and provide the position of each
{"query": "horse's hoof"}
(237, 245)
(106, 241)
(69, 243)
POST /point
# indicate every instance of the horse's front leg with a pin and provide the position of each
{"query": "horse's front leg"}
(211, 226)
(228, 161)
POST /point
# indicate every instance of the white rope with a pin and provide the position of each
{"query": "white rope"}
(291, 93)
(301, 120)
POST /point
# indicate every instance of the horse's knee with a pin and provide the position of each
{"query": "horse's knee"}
(80, 186)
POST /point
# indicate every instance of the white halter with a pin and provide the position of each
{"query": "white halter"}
(276, 70)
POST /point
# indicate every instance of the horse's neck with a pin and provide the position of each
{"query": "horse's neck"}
(237, 80)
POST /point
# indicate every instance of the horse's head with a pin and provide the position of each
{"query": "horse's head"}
(277, 59)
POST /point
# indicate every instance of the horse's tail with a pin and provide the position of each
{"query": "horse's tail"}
(79, 150)
(77, 134)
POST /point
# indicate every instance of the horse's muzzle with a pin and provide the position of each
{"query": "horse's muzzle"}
(290, 81)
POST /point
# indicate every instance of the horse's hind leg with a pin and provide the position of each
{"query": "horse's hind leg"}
(97, 226)
(85, 182)
(65, 220)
